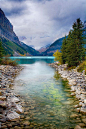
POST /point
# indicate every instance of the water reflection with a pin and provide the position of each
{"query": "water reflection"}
(31, 60)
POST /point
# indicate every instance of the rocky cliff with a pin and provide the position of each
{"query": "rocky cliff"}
(6, 28)
(10, 41)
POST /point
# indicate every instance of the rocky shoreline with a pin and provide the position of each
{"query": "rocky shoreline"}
(10, 105)
(77, 81)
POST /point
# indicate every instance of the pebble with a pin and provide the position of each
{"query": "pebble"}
(84, 120)
(82, 125)
(3, 104)
(26, 123)
(77, 127)
(73, 116)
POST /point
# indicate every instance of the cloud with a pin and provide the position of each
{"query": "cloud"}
(43, 21)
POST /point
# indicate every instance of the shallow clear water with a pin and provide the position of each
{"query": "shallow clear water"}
(48, 100)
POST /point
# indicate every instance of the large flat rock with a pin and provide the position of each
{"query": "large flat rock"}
(13, 116)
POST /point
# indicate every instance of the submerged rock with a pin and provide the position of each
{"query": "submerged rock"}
(26, 123)
(77, 127)
(73, 116)
(84, 120)
(83, 110)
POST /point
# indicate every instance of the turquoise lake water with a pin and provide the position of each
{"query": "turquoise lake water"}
(47, 97)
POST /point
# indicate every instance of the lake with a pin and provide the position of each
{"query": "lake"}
(46, 97)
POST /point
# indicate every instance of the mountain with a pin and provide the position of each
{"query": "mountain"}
(57, 45)
(6, 28)
(10, 41)
(53, 47)
(11, 48)
(29, 49)
(42, 49)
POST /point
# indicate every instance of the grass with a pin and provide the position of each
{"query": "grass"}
(82, 67)
(7, 61)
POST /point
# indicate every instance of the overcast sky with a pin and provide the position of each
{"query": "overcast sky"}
(41, 22)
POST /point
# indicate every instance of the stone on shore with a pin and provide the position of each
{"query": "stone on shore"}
(85, 101)
(19, 109)
(2, 98)
(9, 103)
(13, 116)
(72, 82)
(3, 104)
(15, 100)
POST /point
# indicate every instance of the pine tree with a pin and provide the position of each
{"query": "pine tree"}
(73, 51)
(78, 34)
(63, 50)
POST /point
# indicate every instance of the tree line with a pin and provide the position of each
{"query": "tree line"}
(6, 60)
(73, 50)
(1, 51)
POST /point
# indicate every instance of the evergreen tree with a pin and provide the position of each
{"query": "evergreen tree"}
(1, 51)
(63, 50)
(78, 34)
(73, 51)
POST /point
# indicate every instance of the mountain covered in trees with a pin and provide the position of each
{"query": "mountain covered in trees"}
(10, 41)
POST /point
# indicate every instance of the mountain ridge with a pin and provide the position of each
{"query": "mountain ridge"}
(6, 28)
(10, 41)
(53, 47)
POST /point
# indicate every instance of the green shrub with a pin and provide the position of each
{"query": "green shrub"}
(72, 67)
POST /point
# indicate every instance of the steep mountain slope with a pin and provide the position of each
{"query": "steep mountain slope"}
(53, 47)
(10, 41)
(44, 48)
(12, 48)
(29, 49)
(6, 28)
(15, 49)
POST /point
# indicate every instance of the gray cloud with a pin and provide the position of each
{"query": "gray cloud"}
(43, 21)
